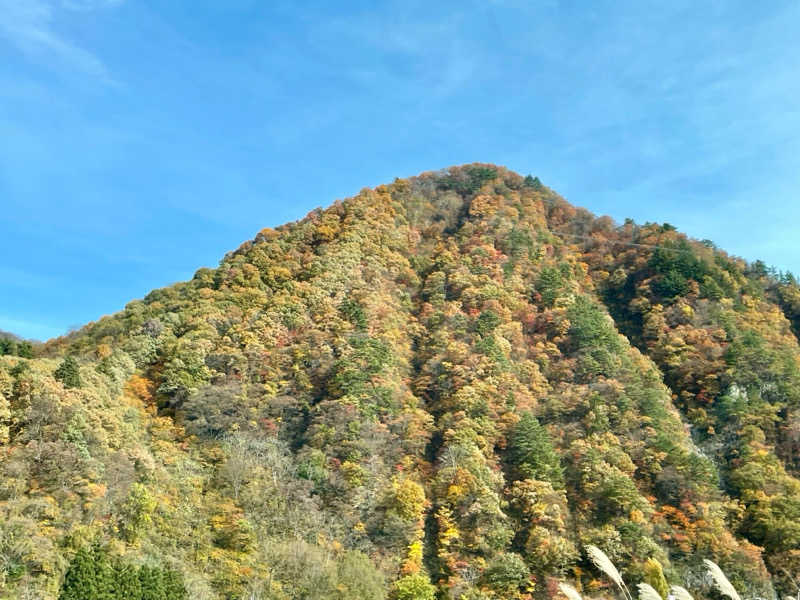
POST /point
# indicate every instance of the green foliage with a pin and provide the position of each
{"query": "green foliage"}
(126, 582)
(550, 285)
(92, 574)
(302, 570)
(507, 575)
(12, 346)
(520, 244)
(136, 513)
(676, 264)
(672, 283)
(184, 373)
(89, 575)
(344, 408)
(488, 346)
(487, 322)
(160, 584)
(533, 182)
(356, 576)
(68, 372)
(8, 346)
(17, 550)
(75, 433)
(313, 467)
(355, 374)
(469, 179)
(709, 288)
(594, 339)
(354, 312)
(590, 327)
(531, 453)
(413, 587)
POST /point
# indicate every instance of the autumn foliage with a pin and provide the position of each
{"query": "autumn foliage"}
(444, 387)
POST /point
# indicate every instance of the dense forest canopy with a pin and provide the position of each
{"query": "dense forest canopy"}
(445, 387)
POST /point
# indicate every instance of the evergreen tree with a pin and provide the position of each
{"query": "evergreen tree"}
(127, 585)
(174, 588)
(161, 584)
(531, 452)
(68, 373)
(152, 585)
(79, 580)
(89, 575)
(533, 182)
(354, 312)
(7, 346)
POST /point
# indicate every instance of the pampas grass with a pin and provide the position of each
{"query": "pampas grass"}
(570, 592)
(648, 592)
(680, 593)
(720, 581)
(602, 562)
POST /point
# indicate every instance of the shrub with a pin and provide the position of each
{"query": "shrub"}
(507, 574)
(413, 587)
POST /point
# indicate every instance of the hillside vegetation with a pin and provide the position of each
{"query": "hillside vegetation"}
(446, 387)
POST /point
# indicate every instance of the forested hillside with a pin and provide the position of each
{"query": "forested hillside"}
(446, 387)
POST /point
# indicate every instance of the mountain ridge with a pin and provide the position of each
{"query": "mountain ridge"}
(423, 387)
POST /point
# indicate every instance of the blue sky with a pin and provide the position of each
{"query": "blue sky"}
(142, 139)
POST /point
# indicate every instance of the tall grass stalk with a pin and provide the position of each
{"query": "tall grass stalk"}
(570, 592)
(720, 581)
(603, 563)
(680, 593)
(648, 592)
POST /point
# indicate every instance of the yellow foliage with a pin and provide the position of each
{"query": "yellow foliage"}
(140, 388)
(413, 561)
(353, 473)
(409, 499)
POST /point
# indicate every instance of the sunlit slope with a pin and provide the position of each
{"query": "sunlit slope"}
(454, 381)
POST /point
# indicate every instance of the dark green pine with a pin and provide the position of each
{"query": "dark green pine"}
(152, 583)
(531, 452)
(126, 585)
(68, 373)
(174, 588)
(89, 575)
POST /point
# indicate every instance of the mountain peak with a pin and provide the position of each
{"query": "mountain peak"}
(452, 384)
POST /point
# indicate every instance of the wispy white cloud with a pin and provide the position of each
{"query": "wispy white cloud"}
(32, 26)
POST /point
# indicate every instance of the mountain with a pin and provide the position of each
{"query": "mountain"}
(451, 384)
